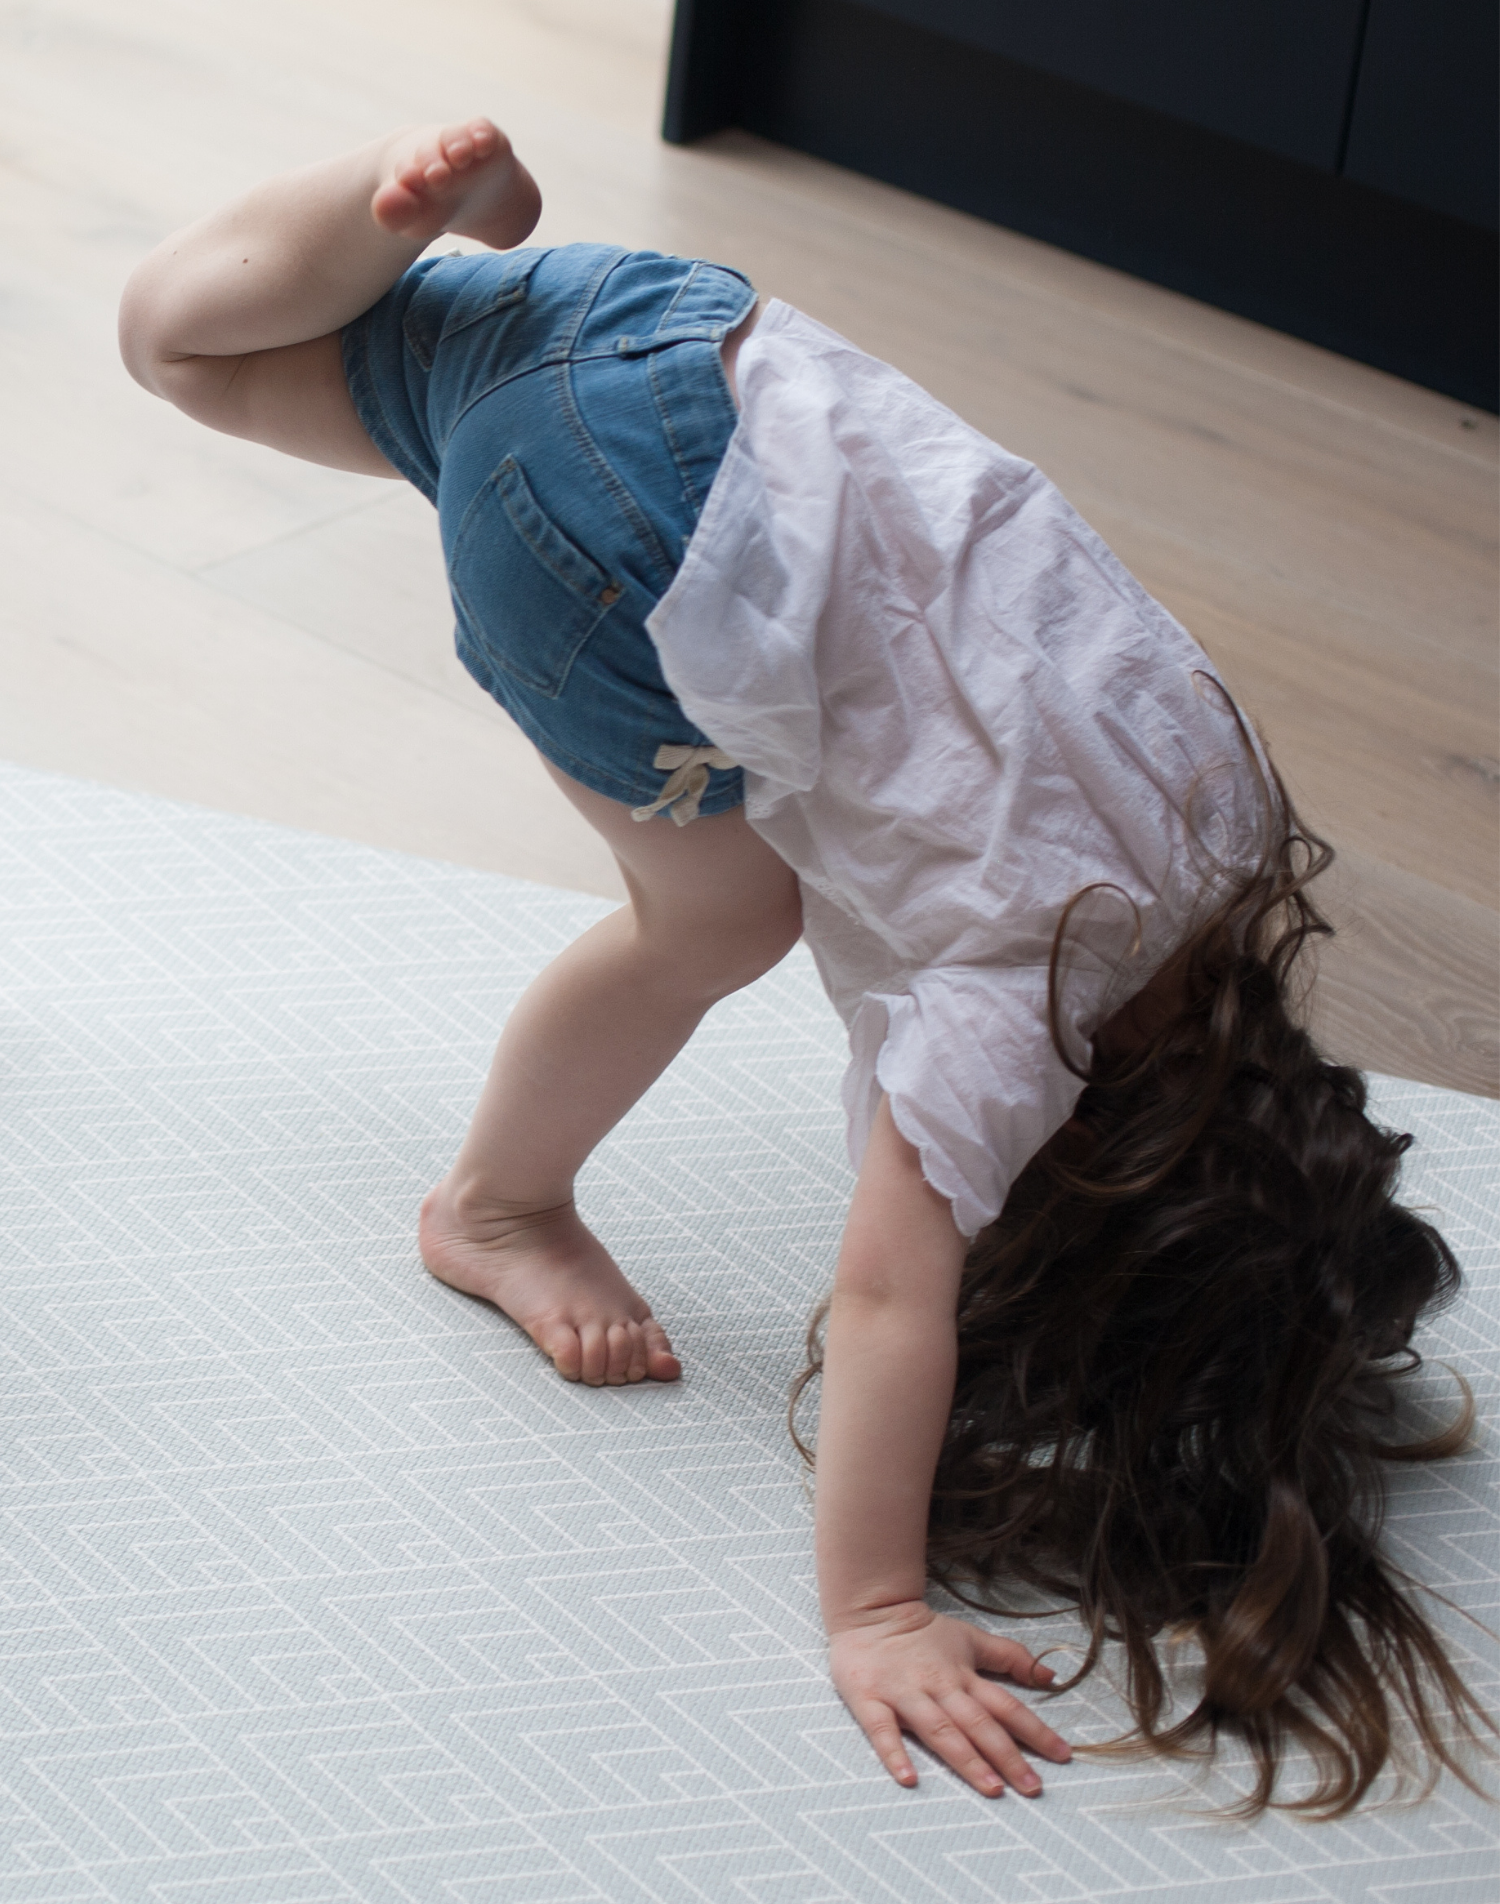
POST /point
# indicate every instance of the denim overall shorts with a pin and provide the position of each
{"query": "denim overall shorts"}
(565, 410)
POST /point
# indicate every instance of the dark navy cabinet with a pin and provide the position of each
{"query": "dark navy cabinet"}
(1424, 120)
(1325, 166)
(1278, 76)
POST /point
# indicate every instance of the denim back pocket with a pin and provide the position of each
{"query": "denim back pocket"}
(529, 596)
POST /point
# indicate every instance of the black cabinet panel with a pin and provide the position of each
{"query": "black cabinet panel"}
(1142, 147)
(1274, 72)
(1425, 119)
(1349, 267)
(703, 74)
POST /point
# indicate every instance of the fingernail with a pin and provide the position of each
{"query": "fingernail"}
(1031, 1786)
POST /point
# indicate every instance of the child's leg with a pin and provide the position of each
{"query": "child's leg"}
(236, 320)
(711, 907)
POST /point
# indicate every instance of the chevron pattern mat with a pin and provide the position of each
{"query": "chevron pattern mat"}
(316, 1585)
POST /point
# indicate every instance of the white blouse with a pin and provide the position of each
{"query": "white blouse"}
(956, 711)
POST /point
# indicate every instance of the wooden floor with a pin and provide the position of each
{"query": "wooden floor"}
(200, 618)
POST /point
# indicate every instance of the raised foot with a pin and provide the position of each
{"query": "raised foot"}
(461, 178)
(553, 1276)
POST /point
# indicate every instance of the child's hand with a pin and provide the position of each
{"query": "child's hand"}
(908, 1667)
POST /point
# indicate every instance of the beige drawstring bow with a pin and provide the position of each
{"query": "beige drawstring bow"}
(689, 778)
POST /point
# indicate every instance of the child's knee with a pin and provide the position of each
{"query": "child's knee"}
(747, 949)
(771, 935)
(716, 956)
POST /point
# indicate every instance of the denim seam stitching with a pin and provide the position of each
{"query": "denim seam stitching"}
(546, 360)
(664, 413)
(723, 392)
(624, 501)
(701, 266)
(588, 297)
(559, 680)
(564, 581)
(679, 295)
(603, 468)
(689, 487)
(561, 347)
(513, 294)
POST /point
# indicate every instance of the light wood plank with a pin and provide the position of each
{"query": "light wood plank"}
(1407, 986)
(120, 668)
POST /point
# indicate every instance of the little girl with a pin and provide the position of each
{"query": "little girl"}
(1122, 1280)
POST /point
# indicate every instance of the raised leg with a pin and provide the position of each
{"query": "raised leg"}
(711, 907)
(236, 319)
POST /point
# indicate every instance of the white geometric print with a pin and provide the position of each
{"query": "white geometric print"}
(315, 1584)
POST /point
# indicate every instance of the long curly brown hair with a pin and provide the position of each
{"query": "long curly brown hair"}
(1181, 1347)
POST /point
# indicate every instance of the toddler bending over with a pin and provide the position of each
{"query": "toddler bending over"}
(1122, 1288)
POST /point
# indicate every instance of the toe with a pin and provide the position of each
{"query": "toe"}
(394, 209)
(412, 172)
(458, 147)
(661, 1364)
(424, 166)
(561, 1343)
(594, 1338)
(638, 1355)
(619, 1354)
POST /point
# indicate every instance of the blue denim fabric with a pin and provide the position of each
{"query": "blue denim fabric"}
(566, 411)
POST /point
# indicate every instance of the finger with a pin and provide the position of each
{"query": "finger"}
(992, 1739)
(995, 1654)
(880, 1727)
(946, 1739)
(1018, 1719)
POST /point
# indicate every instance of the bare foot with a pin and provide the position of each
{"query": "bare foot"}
(553, 1276)
(461, 178)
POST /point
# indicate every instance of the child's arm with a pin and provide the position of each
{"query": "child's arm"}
(890, 1359)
